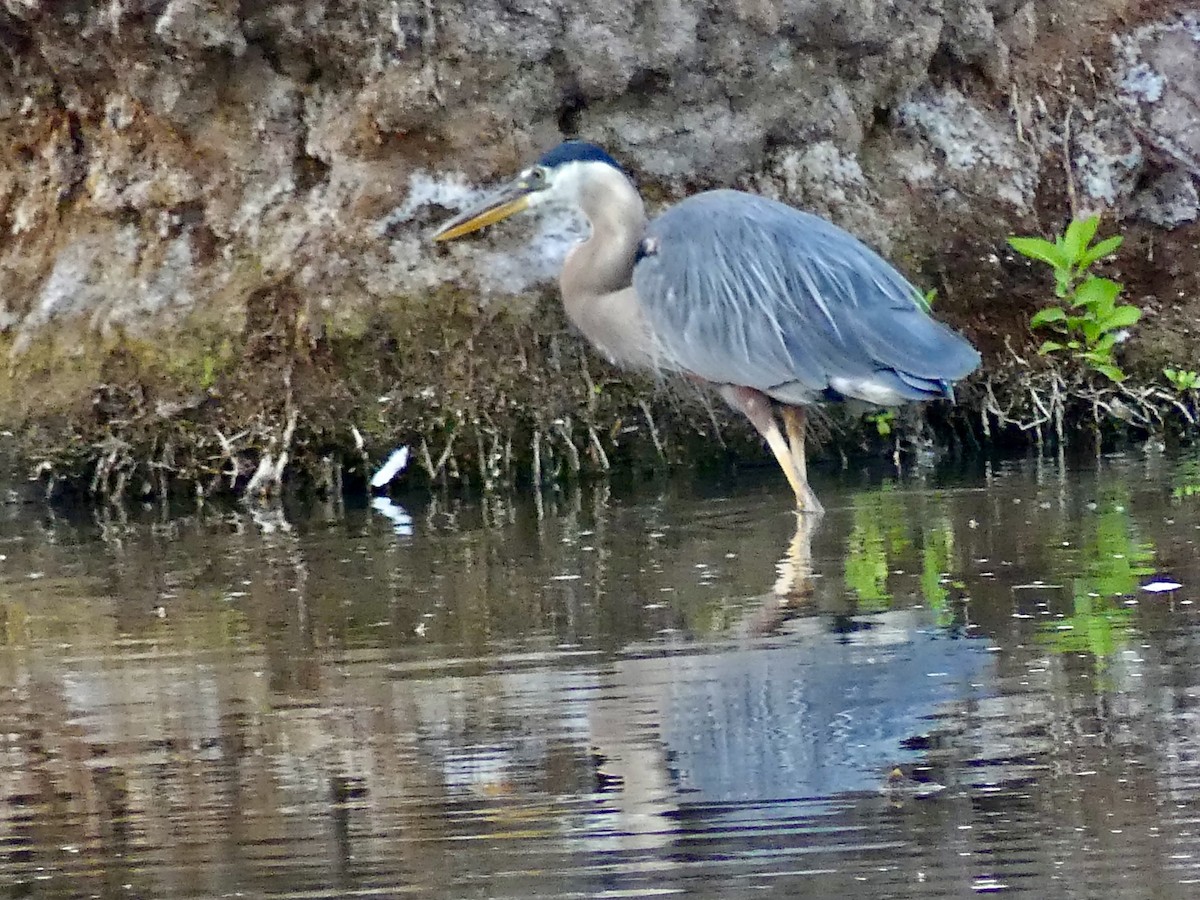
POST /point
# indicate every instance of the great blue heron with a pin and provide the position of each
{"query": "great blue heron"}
(772, 306)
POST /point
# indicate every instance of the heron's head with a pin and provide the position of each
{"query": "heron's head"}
(557, 178)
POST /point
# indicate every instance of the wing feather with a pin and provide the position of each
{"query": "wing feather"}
(743, 290)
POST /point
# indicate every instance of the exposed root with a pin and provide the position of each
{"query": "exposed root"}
(564, 430)
(494, 458)
(227, 447)
(563, 416)
(360, 447)
(267, 480)
(1050, 398)
(432, 469)
(657, 441)
(110, 476)
(598, 449)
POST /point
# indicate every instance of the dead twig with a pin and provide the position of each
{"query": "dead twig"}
(1072, 199)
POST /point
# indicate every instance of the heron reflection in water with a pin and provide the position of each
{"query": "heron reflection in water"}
(775, 308)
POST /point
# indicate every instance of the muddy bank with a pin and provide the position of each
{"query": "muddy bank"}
(213, 215)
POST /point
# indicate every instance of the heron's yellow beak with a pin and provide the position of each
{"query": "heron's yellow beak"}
(510, 199)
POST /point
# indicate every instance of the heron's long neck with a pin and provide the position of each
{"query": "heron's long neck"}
(597, 277)
(604, 262)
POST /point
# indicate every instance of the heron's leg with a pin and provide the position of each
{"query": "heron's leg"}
(794, 424)
(756, 407)
(794, 421)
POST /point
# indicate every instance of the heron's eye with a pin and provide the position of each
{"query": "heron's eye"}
(537, 177)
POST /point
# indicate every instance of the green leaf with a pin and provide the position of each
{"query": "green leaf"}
(1111, 372)
(1098, 294)
(1182, 379)
(1122, 317)
(1043, 251)
(1106, 247)
(1097, 356)
(1049, 314)
(1105, 344)
(1079, 234)
(1091, 331)
(1050, 347)
(882, 421)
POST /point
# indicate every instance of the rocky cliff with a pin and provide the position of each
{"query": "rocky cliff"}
(213, 214)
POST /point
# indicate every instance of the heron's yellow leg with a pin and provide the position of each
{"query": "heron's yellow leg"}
(756, 407)
(783, 455)
(794, 420)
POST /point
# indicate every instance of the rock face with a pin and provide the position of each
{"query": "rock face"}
(213, 213)
(1159, 87)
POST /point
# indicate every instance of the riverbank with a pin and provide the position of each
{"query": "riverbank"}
(214, 263)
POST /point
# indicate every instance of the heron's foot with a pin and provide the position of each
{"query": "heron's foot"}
(807, 503)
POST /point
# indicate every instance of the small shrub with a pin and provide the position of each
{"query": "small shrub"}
(882, 420)
(1183, 380)
(1088, 320)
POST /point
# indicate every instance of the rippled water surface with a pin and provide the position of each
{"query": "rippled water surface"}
(957, 684)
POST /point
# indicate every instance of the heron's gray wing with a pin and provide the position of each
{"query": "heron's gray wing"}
(739, 289)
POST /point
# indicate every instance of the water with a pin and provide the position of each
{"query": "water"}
(955, 686)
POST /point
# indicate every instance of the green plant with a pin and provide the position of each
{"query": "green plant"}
(882, 421)
(1088, 320)
(1183, 380)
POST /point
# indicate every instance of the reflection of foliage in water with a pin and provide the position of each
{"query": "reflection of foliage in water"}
(881, 535)
(878, 533)
(937, 550)
(1185, 480)
(1112, 559)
